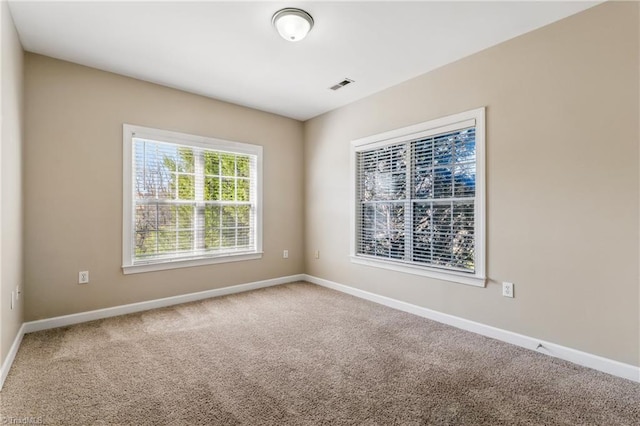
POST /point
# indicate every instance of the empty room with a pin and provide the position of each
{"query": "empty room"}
(380, 213)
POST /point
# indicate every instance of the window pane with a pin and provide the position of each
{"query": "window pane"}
(465, 180)
(465, 146)
(166, 241)
(212, 216)
(463, 246)
(146, 217)
(228, 237)
(368, 216)
(152, 173)
(443, 150)
(228, 216)
(185, 217)
(244, 215)
(211, 163)
(242, 165)
(228, 164)
(212, 227)
(185, 240)
(367, 242)
(186, 187)
(383, 173)
(212, 238)
(185, 160)
(441, 219)
(435, 175)
(145, 243)
(423, 154)
(442, 182)
(228, 189)
(368, 186)
(423, 183)
(422, 232)
(211, 189)
(244, 237)
(243, 190)
(166, 216)
(389, 230)
(161, 155)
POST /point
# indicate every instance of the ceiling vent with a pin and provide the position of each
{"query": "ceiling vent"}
(341, 84)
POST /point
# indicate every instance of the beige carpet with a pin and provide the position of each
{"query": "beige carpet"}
(298, 354)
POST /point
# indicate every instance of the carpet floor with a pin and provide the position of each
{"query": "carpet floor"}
(298, 354)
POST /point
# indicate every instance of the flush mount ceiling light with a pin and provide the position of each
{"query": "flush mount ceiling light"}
(292, 24)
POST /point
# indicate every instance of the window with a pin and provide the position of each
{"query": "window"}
(189, 200)
(419, 199)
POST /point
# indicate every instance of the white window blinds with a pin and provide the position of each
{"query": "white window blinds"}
(416, 199)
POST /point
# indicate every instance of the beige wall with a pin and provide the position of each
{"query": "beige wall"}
(10, 181)
(73, 186)
(563, 184)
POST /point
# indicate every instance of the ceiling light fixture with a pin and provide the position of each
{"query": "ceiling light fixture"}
(292, 24)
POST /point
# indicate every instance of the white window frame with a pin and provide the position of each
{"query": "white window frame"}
(130, 132)
(429, 128)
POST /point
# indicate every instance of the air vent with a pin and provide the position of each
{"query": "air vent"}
(341, 84)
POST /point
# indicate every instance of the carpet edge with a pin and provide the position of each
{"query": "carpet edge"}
(585, 359)
(77, 318)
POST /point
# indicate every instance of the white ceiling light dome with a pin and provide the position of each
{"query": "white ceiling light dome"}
(292, 24)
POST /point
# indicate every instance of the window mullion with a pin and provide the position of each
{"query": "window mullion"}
(408, 206)
(361, 203)
(198, 211)
(453, 194)
(432, 166)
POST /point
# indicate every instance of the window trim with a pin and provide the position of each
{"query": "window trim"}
(416, 131)
(129, 131)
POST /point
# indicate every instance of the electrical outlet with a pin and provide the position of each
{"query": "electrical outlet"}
(507, 289)
(18, 292)
(285, 254)
(83, 277)
(317, 254)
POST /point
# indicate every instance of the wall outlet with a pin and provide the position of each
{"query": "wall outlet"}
(18, 292)
(507, 289)
(317, 254)
(285, 254)
(83, 277)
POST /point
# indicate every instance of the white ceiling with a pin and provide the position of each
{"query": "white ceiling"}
(230, 51)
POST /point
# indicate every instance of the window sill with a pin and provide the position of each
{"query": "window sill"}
(188, 263)
(457, 277)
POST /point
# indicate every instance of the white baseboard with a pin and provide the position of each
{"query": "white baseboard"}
(61, 321)
(596, 362)
(65, 320)
(582, 358)
(8, 361)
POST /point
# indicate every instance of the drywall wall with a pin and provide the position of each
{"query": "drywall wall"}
(10, 181)
(73, 186)
(562, 176)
